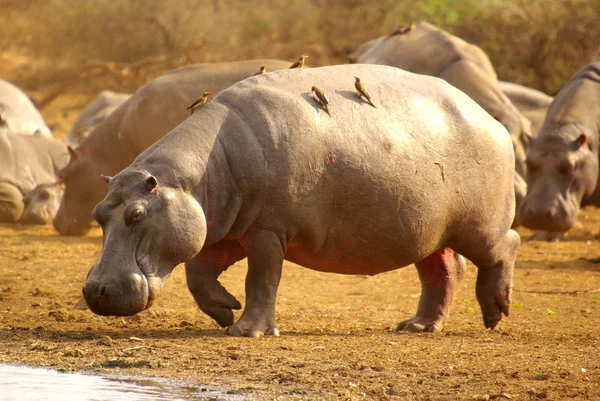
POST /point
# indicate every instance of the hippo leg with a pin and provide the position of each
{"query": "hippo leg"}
(440, 274)
(495, 263)
(265, 260)
(548, 236)
(202, 273)
(11, 203)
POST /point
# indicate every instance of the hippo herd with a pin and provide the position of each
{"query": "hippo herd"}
(443, 168)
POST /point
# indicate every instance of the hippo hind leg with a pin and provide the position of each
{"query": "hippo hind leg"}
(495, 262)
(11, 203)
(440, 274)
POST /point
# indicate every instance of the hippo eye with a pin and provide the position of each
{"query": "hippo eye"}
(567, 167)
(138, 214)
(44, 195)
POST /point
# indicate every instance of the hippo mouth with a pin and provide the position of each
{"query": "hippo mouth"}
(153, 283)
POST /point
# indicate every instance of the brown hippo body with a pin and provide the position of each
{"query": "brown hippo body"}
(264, 172)
(155, 109)
(563, 158)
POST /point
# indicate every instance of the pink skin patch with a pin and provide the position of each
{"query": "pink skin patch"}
(329, 160)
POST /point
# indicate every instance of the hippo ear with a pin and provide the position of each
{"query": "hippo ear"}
(496, 116)
(580, 141)
(73, 153)
(151, 183)
(526, 139)
(107, 178)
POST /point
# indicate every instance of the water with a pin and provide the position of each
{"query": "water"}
(20, 383)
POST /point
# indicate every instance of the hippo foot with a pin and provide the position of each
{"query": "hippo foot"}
(494, 290)
(420, 324)
(547, 236)
(223, 315)
(242, 329)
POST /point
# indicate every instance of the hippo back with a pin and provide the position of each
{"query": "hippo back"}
(94, 113)
(17, 112)
(27, 161)
(532, 103)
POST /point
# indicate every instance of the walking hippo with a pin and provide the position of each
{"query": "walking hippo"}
(264, 172)
(563, 158)
(155, 109)
(18, 114)
(26, 161)
(426, 49)
(94, 113)
(532, 103)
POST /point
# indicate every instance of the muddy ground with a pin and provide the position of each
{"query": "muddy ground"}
(337, 332)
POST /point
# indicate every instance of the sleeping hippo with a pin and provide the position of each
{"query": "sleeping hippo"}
(155, 109)
(18, 114)
(41, 204)
(563, 158)
(264, 172)
(428, 50)
(26, 161)
(532, 103)
(94, 113)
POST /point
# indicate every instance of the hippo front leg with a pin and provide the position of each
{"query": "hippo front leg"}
(202, 273)
(11, 203)
(265, 259)
(440, 274)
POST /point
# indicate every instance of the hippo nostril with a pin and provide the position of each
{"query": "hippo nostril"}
(102, 290)
(529, 213)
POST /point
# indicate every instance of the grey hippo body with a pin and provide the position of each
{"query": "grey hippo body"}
(563, 158)
(155, 109)
(264, 172)
(18, 115)
(27, 161)
(94, 113)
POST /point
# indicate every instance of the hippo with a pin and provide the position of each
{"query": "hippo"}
(41, 204)
(27, 161)
(563, 159)
(532, 103)
(17, 112)
(154, 110)
(264, 172)
(428, 50)
(94, 113)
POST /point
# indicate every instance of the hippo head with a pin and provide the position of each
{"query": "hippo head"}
(561, 172)
(148, 229)
(83, 188)
(41, 204)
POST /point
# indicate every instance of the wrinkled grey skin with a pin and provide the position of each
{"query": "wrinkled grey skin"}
(532, 103)
(264, 172)
(26, 161)
(431, 51)
(154, 110)
(94, 113)
(17, 114)
(41, 204)
(563, 158)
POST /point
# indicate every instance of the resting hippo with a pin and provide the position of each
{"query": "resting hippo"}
(429, 50)
(264, 172)
(17, 113)
(155, 109)
(26, 161)
(563, 158)
(41, 204)
(94, 113)
(532, 103)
